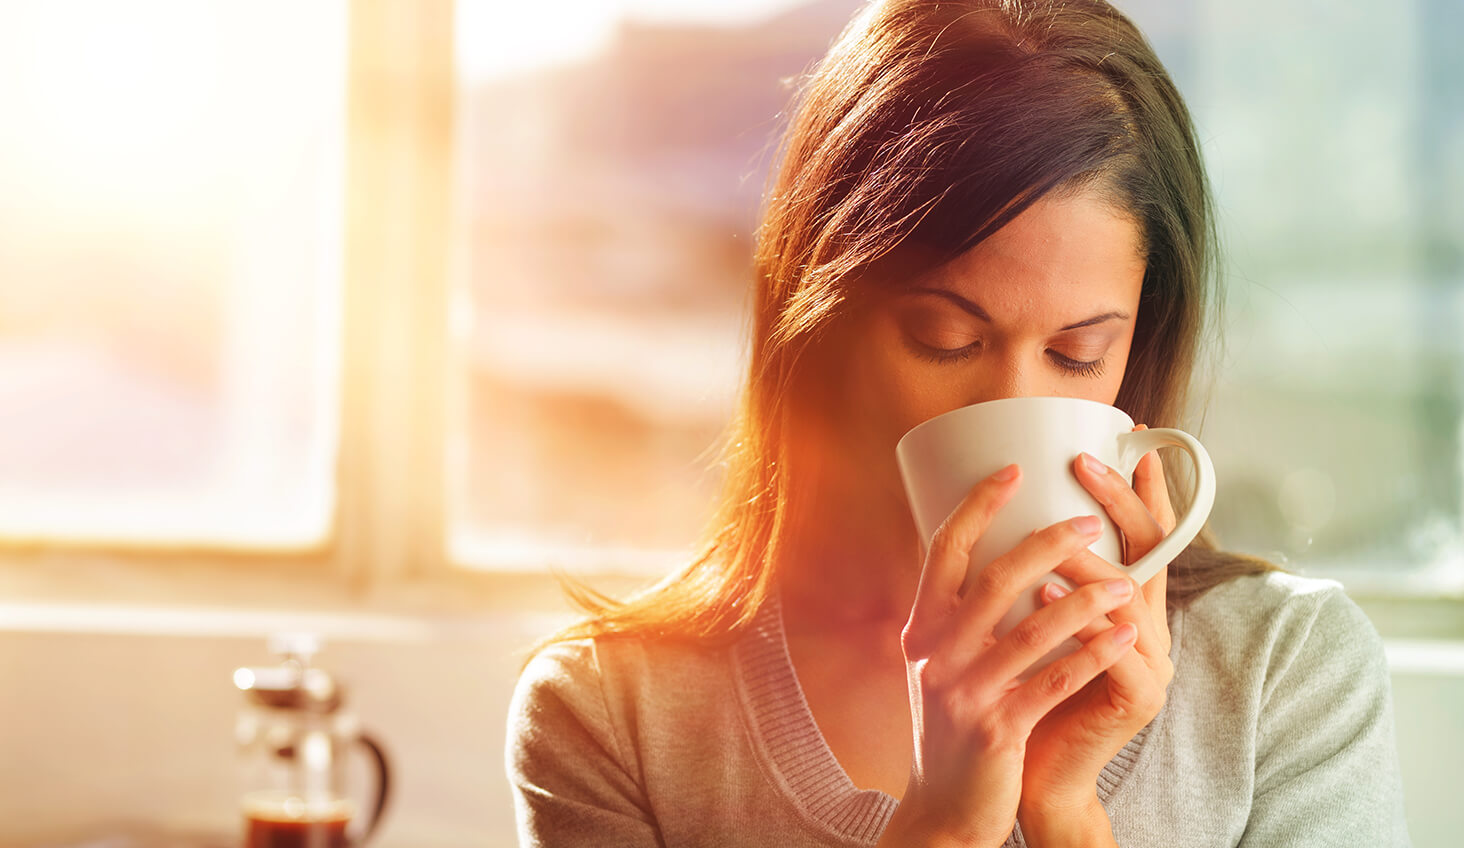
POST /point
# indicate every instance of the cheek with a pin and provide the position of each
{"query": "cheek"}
(891, 393)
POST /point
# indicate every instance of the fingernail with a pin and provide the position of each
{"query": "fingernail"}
(1088, 525)
(1093, 465)
(1125, 634)
(1006, 475)
(1054, 591)
(1120, 587)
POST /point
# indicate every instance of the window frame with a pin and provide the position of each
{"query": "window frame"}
(388, 525)
(387, 545)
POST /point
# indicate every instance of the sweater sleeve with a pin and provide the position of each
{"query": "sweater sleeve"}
(572, 781)
(1326, 770)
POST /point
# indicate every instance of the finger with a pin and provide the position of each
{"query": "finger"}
(1133, 677)
(1094, 627)
(1156, 597)
(1050, 593)
(1087, 567)
(1153, 490)
(996, 588)
(950, 554)
(1026, 705)
(1048, 627)
(1150, 485)
(1141, 531)
(1137, 683)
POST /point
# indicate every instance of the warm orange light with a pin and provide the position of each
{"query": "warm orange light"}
(496, 39)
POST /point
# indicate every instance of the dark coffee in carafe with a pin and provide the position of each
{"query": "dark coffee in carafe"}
(293, 823)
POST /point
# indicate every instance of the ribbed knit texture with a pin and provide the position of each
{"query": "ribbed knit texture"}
(1276, 730)
(787, 738)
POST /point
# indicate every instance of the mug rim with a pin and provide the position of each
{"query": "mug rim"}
(930, 423)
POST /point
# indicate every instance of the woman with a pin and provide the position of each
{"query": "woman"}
(976, 200)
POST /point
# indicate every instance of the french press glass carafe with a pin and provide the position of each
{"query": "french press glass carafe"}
(294, 739)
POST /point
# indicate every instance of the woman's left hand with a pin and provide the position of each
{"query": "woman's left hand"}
(1070, 746)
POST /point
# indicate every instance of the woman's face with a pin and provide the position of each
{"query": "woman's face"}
(1045, 306)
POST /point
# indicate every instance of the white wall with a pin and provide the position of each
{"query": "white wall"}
(101, 728)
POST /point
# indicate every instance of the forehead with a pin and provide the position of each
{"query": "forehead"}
(1077, 247)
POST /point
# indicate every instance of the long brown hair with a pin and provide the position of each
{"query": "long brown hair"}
(939, 122)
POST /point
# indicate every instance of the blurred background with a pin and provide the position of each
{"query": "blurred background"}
(366, 318)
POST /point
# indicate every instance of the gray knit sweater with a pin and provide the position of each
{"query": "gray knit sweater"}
(1277, 731)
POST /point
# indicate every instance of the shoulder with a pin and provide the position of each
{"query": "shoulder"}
(609, 665)
(574, 675)
(569, 756)
(562, 671)
(1277, 627)
(1304, 678)
(561, 721)
(1272, 592)
(1280, 608)
(613, 697)
(558, 697)
(609, 681)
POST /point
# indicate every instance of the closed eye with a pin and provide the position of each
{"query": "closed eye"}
(1077, 367)
(941, 355)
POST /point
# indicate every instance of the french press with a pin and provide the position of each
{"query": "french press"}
(293, 742)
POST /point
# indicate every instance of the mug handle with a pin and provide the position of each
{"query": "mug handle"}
(1131, 448)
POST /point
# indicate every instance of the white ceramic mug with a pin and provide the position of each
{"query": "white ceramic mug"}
(943, 458)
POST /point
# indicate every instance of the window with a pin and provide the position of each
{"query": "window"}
(611, 177)
(409, 307)
(1339, 410)
(610, 187)
(170, 270)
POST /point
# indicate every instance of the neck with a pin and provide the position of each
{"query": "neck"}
(852, 559)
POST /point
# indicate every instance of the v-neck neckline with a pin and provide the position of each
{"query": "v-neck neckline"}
(797, 757)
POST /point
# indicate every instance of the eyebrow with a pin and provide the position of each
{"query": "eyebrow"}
(977, 311)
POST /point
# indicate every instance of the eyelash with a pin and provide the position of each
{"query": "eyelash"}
(941, 356)
(1074, 367)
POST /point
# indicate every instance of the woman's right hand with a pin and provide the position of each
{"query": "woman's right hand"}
(971, 715)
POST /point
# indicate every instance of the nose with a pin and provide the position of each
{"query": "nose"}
(1009, 374)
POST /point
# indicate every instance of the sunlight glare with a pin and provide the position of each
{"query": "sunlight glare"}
(496, 39)
(101, 105)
